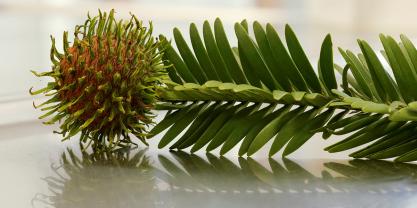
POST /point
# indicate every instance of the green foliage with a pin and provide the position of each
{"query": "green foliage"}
(266, 89)
(263, 90)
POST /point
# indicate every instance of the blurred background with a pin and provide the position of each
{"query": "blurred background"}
(28, 148)
(27, 24)
(26, 27)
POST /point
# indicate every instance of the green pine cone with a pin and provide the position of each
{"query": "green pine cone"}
(105, 83)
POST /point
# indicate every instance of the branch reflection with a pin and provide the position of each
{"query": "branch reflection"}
(132, 179)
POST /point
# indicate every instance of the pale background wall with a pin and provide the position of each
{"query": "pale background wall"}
(25, 27)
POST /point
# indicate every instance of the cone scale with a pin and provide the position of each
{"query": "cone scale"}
(105, 82)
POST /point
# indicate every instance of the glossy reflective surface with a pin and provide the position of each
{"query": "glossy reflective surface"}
(182, 180)
(41, 172)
